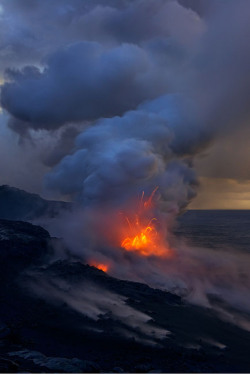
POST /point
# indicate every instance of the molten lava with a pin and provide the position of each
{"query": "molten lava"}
(142, 234)
(99, 266)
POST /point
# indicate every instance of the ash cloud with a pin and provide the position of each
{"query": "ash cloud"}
(113, 65)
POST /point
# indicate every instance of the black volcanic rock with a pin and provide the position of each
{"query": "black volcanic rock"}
(76, 272)
(8, 366)
(21, 244)
(16, 204)
(4, 331)
(66, 315)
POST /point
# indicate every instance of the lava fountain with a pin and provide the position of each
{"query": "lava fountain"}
(141, 234)
(139, 229)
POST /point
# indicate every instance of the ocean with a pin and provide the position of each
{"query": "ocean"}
(217, 229)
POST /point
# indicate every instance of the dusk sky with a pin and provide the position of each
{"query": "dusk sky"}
(103, 98)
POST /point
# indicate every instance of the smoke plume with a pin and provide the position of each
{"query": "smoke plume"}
(154, 92)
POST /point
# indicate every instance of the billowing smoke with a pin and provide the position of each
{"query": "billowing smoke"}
(82, 82)
(113, 59)
(119, 157)
(166, 85)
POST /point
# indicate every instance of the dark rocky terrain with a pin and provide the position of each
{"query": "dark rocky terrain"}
(63, 316)
(16, 204)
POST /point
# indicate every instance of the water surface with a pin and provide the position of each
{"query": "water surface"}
(216, 228)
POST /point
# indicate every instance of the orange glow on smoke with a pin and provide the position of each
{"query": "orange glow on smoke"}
(99, 266)
(141, 234)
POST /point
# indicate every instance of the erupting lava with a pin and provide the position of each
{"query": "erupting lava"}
(141, 240)
(142, 237)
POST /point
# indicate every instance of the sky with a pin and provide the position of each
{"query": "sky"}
(102, 99)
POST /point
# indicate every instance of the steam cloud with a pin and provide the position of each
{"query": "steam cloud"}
(175, 79)
(115, 61)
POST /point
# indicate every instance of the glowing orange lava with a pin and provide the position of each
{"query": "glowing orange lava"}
(99, 266)
(142, 237)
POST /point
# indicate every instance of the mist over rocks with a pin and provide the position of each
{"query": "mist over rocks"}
(57, 313)
(57, 306)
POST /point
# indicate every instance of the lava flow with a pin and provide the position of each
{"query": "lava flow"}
(100, 266)
(142, 234)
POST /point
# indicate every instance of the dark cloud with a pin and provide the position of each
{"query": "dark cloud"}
(32, 29)
(83, 82)
(139, 21)
(20, 164)
(130, 57)
(202, 7)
